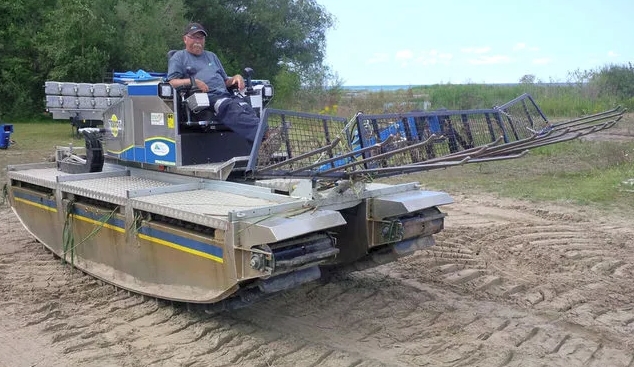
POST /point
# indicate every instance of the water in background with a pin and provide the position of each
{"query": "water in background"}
(375, 88)
(387, 88)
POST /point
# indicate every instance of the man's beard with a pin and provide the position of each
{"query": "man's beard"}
(198, 48)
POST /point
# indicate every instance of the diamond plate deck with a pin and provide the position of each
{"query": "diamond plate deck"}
(205, 202)
(46, 177)
(186, 198)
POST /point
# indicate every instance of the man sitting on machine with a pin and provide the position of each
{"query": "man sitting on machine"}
(211, 78)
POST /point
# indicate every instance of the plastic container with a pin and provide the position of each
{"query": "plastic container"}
(5, 135)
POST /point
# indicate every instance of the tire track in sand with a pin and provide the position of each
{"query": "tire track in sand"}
(410, 313)
(570, 263)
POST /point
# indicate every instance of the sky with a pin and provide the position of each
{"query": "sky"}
(421, 42)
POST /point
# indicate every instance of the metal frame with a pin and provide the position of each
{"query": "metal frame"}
(380, 145)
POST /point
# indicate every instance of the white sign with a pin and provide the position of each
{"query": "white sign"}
(159, 148)
(157, 119)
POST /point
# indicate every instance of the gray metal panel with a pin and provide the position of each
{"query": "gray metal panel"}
(164, 190)
(215, 171)
(247, 190)
(29, 166)
(117, 90)
(279, 184)
(105, 102)
(86, 102)
(54, 88)
(151, 114)
(45, 177)
(182, 214)
(284, 226)
(69, 89)
(93, 175)
(63, 114)
(205, 207)
(70, 102)
(118, 138)
(407, 202)
(101, 90)
(85, 89)
(347, 194)
(206, 202)
(110, 189)
(54, 101)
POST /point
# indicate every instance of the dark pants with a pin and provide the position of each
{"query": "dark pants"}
(235, 113)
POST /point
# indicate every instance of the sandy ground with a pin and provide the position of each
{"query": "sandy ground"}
(509, 284)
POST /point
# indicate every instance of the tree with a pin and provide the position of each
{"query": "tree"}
(528, 79)
(270, 36)
(20, 68)
(82, 40)
(76, 40)
(615, 80)
(148, 30)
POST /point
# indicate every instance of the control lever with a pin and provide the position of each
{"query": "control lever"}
(191, 72)
(249, 81)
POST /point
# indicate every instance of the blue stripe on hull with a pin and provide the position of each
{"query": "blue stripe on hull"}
(153, 235)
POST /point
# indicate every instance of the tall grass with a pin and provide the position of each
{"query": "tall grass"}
(553, 99)
(585, 92)
(581, 172)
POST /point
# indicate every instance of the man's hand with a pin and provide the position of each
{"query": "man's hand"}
(237, 80)
(202, 86)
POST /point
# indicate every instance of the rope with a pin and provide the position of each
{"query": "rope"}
(68, 238)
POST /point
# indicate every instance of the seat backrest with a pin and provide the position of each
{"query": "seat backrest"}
(170, 53)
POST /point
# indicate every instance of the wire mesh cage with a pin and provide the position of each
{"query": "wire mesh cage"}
(320, 146)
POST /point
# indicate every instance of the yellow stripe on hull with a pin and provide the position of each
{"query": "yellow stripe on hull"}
(180, 248)
(29, 202)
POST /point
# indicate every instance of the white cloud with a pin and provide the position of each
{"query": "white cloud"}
(445, 56)
(490, 60)
(378, 58)
(520, 46)
(404, 55)
(542, 61)
(476, 50)
(433, 57)
(612, 54)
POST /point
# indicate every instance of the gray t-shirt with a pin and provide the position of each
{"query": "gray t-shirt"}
(208, 69)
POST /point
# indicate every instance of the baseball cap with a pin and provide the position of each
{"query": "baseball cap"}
(195, 28)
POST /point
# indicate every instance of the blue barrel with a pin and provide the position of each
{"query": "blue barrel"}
(5, 135)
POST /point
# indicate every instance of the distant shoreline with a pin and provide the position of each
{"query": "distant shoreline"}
(378, 88)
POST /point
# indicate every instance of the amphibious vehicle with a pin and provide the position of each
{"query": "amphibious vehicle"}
(165, 201)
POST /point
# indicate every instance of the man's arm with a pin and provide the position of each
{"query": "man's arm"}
(187, 81)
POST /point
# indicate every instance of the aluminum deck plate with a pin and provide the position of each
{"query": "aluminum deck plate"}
(196, 200)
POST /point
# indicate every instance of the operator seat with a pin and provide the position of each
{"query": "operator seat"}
(202, 138)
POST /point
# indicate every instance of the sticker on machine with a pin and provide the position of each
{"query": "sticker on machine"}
(159, 148)
(115, 125)
(157, 119)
